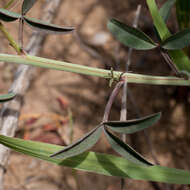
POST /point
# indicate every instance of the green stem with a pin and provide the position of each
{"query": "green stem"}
(91, 71)
(8, 4)
(10, 38)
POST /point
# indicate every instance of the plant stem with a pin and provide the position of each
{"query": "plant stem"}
(20, 35)
(111, 100)
(8, 4)
(123, 115)
(10, 38)
(91, 71)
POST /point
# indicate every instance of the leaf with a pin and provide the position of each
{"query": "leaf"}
(81, 145)
(159, 23)
(179, 40)
(27, 5)
(164, 12)
(8, 16)
(99, 163)
(7, 97)
(179, 58)
(47, 27)
(125, 150)
(130, 36)
(132, 126)
(166, 9)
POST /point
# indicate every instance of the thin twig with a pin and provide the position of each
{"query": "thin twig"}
(123, 114)
(20, 33)
(8, 36)
(169, 62)
(111, 100)
(11, 110)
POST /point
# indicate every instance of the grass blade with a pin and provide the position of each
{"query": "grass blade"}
(104, 164)
(132, 126)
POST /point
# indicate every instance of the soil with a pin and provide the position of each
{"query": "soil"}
(54, 96)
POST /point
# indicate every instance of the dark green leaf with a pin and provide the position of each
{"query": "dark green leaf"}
(81, 145)
(98, 163)
(130, 36)
(165, 12)
(8, 16)
(47, 27)
(7, 97)
(125, 150)
(179, 58)
(179, 40)
(132, 126)
(166, 9)
(27, 5)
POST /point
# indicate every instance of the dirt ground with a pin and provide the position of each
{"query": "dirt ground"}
(55, 96)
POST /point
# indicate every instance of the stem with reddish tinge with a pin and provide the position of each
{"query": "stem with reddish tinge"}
(111, 100)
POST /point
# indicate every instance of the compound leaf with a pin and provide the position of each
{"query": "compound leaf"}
(132, 126)
(27, 5)
(47, 27)
(130, 36)
(8, 16)
(180, 59)
(81, 145)
(7, 97)
(179, 40)
(125, 150)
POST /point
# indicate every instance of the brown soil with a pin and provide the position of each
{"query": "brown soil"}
(86, 97)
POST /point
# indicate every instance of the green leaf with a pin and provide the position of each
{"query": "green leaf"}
(8, 16)
(179, 40)
(164, 12)
(7, 97)
(158, 20)
(104, 164)
(130, 36)
(27, 5)
(166, 9)
(132, 126)
(125, 150)
(179, 58)
(81, 145)
(47, 27)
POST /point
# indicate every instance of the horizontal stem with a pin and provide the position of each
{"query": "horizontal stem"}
(91, 71)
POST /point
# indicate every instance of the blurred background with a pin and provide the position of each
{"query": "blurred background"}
(60, 107)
